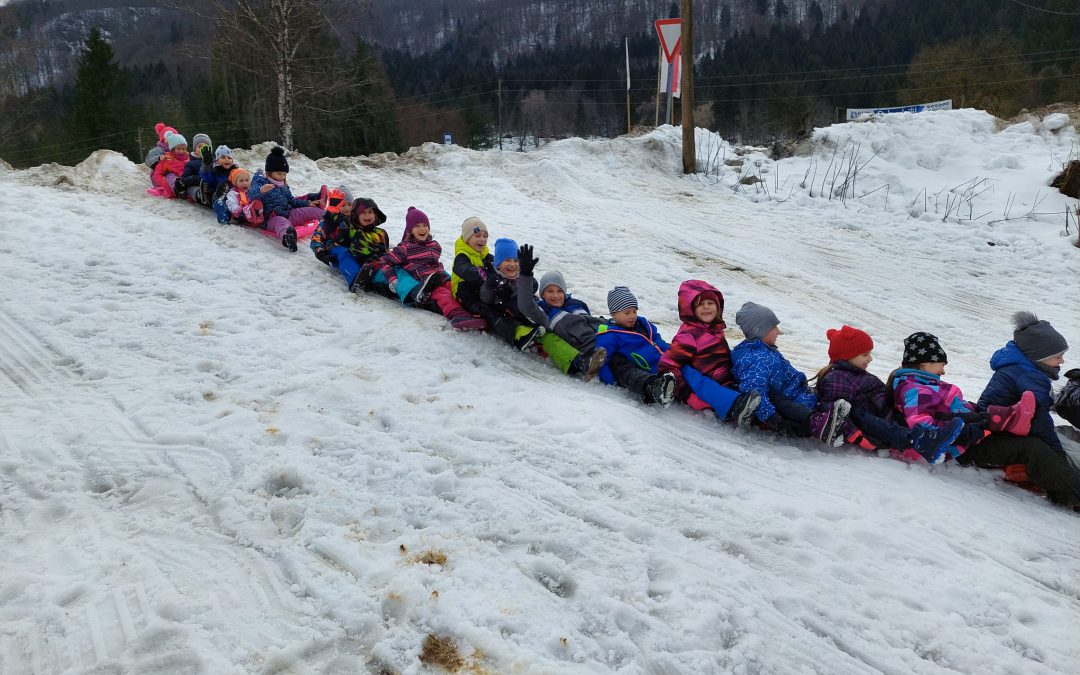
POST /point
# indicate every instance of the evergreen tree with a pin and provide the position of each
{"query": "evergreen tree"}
(98, 86)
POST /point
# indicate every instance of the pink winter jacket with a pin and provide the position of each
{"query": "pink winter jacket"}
(169, 163)
(703, 347)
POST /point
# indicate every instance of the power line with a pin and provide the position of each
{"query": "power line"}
(1044, 11)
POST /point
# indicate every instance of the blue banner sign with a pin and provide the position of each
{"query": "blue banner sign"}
(853, 113)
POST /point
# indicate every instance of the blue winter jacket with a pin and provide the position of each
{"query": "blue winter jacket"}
(761, 368)
(193, 166)
(214, 176)
(280, 200)
(641, 344)
(1015, 373)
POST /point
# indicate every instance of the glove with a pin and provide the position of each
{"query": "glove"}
(526, 259)
(392, 286)
(207, 155)
(324, 256)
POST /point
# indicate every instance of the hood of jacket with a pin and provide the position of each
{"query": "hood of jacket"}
(1010, 355)
(688, 292)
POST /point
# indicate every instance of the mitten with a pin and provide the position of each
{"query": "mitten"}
(207, 155)
(526, 259)
(325, 257)
(392, 286)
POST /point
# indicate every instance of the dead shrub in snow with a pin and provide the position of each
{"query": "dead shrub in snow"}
(1068, 181)
(441, 652)
(431, 557)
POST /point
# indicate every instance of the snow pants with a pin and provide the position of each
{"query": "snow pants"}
(278, 224)
(630, 376)
(405, 283)
(345, 263)
(1049, 469)
(887, 434)
(717, 396)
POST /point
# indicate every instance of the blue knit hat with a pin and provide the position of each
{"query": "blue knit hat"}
(222, 151)
(174, 140)
(505, 249)
(620, 298)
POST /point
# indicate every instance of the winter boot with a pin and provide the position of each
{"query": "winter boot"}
(587, 364)
(427, 286)
(828, 424)
(362, 280)
(660, 389)
(526, 337)
(466, 322)
(932, 442)
(743, 408)
(288, 240)
(1014, 419)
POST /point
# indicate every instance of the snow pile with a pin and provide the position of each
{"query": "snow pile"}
(214, 459)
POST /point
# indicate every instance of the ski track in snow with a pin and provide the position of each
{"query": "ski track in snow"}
(213, 459)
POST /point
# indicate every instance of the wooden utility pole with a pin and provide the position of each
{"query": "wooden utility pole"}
(689, 154)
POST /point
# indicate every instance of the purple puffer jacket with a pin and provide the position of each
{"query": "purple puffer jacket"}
(863, 390)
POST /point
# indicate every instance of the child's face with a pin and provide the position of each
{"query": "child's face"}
(226, 162)
(346, 208)
(861, 361)
(367, 217)
(477, 240)
(770, 337)
(510, 268)
(279, 176)
(1053, 361)
(935, 368)
(421, 231)
(625, 317)
(243, 182)
(180, 149)
(705, 310)
(553, 296)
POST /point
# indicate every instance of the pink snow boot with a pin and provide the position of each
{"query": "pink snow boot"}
(1014, 419)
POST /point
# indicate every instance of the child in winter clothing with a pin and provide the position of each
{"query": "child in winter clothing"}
(473, 264)
(160, 148)
(700, 357)
(330, 240)
(923, 397)
(634, 348)
(509, 294)
(787, 403)
(869, 425)
(214, 176)
(170, 166)
(1068, 401)
(1028, 362)
(566, 316)
(417, 257)
(235, 206)
(281, 211)
(188, 185)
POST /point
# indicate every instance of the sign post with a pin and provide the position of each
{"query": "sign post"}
(670, 33)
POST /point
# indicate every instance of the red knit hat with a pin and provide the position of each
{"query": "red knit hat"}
(847, 343)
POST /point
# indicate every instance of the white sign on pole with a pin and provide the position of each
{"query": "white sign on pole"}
(670, 76)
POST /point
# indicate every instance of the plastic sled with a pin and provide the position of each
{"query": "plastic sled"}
(302, 231)
(161, 192)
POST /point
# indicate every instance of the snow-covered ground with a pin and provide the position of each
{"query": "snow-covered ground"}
(214, 459)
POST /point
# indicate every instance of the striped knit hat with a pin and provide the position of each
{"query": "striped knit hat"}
(620, 298)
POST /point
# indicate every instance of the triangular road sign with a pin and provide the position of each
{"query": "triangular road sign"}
(670, 32)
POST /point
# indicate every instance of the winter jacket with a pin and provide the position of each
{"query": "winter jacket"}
(642, 344)
(332, 230)
(155, 153)
(279, 201)
(238, 205)
(1067, 403)
(923, 398)
(471, 270)
(193, 167)
(703, 347)
(169, 163)
(862, 389)
(214, 178)
(572, 322)
(418, 258)
(502, 296)
(1015, 373)
(762, 368)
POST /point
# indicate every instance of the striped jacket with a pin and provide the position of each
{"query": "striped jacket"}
(419, 258)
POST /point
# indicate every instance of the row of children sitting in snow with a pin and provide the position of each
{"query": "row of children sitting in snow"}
(915, 415)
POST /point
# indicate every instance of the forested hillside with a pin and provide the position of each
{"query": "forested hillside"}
(384, 78)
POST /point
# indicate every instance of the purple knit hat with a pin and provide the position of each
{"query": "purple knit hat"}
(412, 217)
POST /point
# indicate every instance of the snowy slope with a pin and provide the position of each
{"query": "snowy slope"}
(213, 459)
